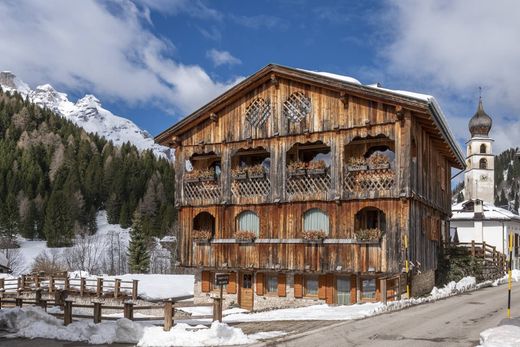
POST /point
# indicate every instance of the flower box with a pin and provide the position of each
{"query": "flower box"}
(368, 234)
(202, 236)
(207, 179)
(191, 179)
(382, 166)
(313, 236)
(245, 236)
(256, 175)
(239, 176)
(354, 168)
(297, 172)
(316, 171)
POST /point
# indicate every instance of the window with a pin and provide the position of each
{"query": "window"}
(247, 281)
(271, 283)
(370, 218)
(315, 219)
(482, 148)
(311, 285)
(368, 288)
(482, 163)
(248, 221)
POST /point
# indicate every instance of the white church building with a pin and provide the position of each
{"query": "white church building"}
(477, 218)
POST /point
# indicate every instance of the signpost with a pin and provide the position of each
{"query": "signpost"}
(509, 284)
(220, 280)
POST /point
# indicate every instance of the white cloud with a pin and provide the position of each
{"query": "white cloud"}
(450, 47)
(222, 58)
(103, 48)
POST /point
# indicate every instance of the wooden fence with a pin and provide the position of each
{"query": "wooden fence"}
(99, 287)
(128, 308)
(494, 262)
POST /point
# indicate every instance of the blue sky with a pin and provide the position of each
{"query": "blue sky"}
(155, 61)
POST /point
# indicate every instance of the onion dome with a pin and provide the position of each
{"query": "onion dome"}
(481, 122)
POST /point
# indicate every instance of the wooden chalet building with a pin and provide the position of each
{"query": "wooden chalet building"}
(302, 186)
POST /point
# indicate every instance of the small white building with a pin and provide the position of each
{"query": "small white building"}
(476, 218)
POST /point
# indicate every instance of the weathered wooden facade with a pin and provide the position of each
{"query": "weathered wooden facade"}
(303, 185)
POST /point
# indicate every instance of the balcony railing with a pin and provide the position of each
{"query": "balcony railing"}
(304, 184)
(369, 181)
(250, 186)
(202, 191)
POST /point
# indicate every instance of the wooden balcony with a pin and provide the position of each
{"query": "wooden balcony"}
(305, 185)
(198, 192)
(369, 183)
(250, 189)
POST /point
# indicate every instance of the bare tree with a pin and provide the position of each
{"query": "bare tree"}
(49, 261)
(85, 255)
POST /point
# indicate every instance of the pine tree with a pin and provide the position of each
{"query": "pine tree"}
(138, 255)
(58, 228)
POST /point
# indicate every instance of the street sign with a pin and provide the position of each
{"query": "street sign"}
(221, 279)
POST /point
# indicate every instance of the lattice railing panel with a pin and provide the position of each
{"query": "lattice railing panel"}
(205, 190)
(258, 111)
(297, 107)
(369, 180)
(308, 184)
(251, 187)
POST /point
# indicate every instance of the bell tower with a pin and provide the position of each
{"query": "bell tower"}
(479, 178)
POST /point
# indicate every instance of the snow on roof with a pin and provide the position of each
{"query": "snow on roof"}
(491, 212)
(333, 75)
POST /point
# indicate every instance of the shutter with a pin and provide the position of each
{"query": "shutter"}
(353, 289)
(206, 281)
(281, 285)
(322, 287)
(330, 289)
(232, 285)
(298, 286)
(259, 284)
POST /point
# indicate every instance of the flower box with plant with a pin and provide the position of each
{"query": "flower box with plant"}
(207, 175)
(314, 236)
(245, 236)
(356, 164)
(373, 234)
(239, 173)
(191, 176)
(296, 168)
(203, 235)
(316, 167)
(378, 162)
(256, 171)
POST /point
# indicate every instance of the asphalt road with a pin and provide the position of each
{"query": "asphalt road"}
(456, 321)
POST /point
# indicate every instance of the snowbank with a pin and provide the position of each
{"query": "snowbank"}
(34, 322)
(515, 275)
(502, 336)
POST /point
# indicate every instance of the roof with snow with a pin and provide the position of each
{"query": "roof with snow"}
(464, 211)
(415, 101)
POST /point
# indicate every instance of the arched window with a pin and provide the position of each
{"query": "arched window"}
(370, 218)
(482, 163)
(204, 222)
(248, 221)
(315, 219)
(482, 148)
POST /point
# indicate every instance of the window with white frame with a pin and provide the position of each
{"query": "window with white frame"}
(311, 285)
(271, 283)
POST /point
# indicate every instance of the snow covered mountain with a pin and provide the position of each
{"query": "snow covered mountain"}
(87, 113)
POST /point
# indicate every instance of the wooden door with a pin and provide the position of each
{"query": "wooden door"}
(343, 290)
(246, 291)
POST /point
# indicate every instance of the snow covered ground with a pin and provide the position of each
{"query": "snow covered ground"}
(34, 322)
(502, 336)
